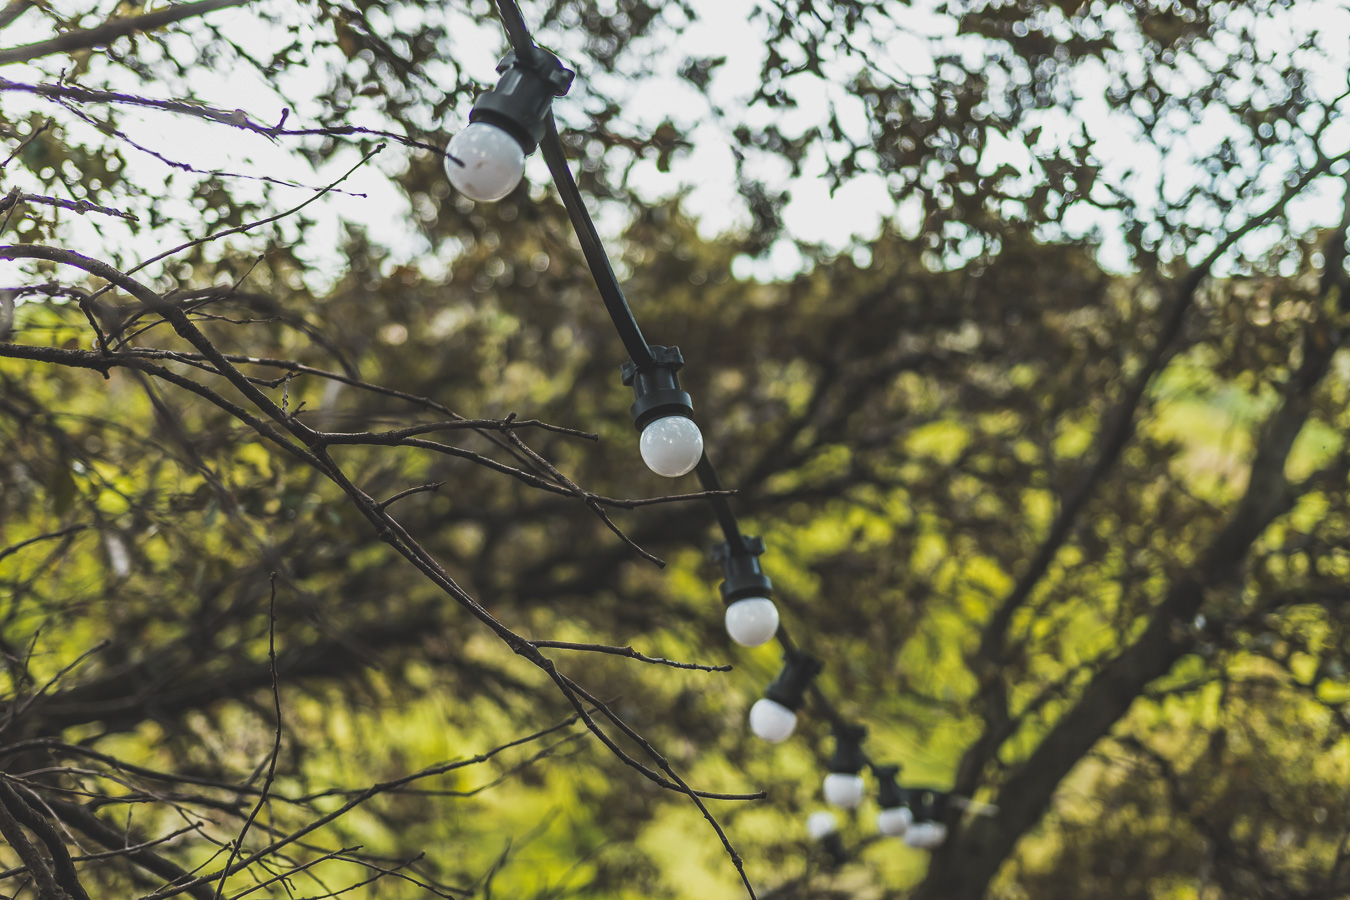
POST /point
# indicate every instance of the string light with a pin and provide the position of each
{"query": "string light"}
(844, 786)
(929, 807)
(895, 816)
(824, 827)
(486, 160)
(671, 443)
(774, 717)
(926, 835)
(821, 825)
(751, 618)
(485, 167)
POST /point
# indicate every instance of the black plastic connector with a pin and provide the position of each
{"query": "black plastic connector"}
(789, 688)
(520, 102)
(656, 387)
(848, 758)
(890, 795)
(928, 805)
(741, 571)
(834, 848)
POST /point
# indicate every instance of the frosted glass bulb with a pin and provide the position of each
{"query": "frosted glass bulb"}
(672, 446)
(926, 835)
(493, 162)
(752, 621)
(844, 790)
(895, 822)
(772, 721)
(917, 835)
(821, 825)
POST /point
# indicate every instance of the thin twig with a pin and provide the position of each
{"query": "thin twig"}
(389, 438)
(37, 132)
(108, 128)
(628, 652)
(584, 496)
(443, 891)
(111, 854)
(27, 704)
(375, 789)
(281, 876)
(696, 796)
(419, 489)
(79, 206)
(249, 226)
(49, 536)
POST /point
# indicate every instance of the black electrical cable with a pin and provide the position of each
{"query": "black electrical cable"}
(594, 251)
(551, 146)
(516, 30)
(707, 477)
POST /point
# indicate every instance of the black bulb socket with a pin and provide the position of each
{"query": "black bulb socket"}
(656, 387)
(848, 758)
(520, 102)
(928, 805)
(834, 848)
(789, 688)
(890, 795)
(740, 569)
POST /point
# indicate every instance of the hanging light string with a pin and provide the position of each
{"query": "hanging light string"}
(485, 167)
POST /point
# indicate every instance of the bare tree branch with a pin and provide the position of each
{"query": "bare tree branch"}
(47, 887)
(63, 870)
(13, 10)
(80, 818)
(109, 31)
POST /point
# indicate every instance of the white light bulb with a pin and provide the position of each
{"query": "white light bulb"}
(821, 825)
(493, 162)
(672, 446)
(895, 822)
(844, 790)
(926, 835)
(772, 721)
(752, 621)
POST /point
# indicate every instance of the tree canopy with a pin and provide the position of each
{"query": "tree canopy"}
(328, 563)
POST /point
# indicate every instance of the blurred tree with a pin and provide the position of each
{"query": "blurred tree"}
(1072, 541)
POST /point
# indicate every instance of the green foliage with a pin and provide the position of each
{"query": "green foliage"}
(911, 429)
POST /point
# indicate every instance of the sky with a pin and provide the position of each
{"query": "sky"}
(836, 220)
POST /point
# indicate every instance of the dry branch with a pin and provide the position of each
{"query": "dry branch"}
(109, 31)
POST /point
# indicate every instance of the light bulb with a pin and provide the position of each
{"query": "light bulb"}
(895, 822)
(926, 835)
(843, 790)
(672, 446)
(493, 162)
(821, 825)
(772, 721)
(752, 621)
